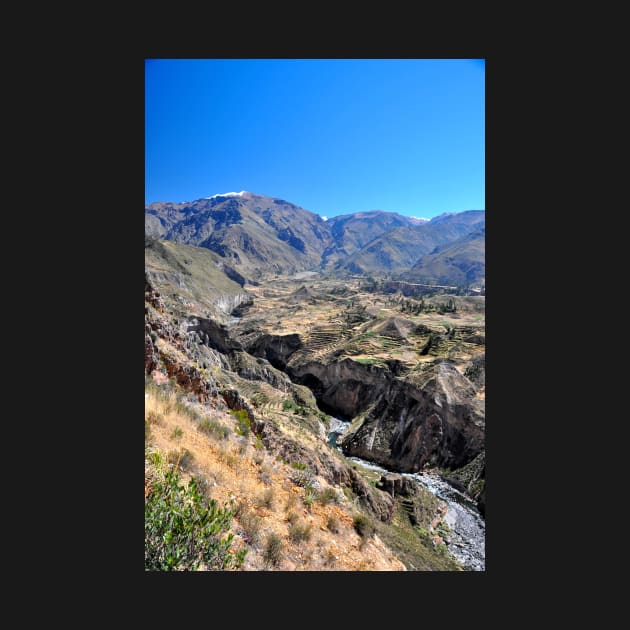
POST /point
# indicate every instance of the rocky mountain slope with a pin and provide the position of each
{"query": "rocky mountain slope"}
(228, 405)
(259, 237)
(462, 263)
(401, 248)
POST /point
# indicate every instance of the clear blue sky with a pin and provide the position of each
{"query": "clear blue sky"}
(331, 135)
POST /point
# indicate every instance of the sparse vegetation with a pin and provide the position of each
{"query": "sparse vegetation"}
(153, 417)
(295, 434)
(266, 499)
(273, 550)
(310, 494)
(243, 423)
(183, 530)
(251, 524)
(212, 427)
(181, 458)
(300, 532)
(327, 495)
(332, 524)
(363, 525)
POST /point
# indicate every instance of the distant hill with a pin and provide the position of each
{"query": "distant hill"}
(351, 232)
(257, 236)
(461, 263)
(399, 249)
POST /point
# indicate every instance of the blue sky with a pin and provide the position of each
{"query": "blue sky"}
(331, 135)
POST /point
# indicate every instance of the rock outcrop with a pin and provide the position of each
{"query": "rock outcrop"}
(431, 418)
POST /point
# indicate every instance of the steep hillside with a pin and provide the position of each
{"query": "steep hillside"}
(351, 232)
(462, 263)
(399, 249)
(192, 278)
(254, 233)
(255, 440)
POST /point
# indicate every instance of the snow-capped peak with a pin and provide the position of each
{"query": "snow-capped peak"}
(228, 194)
(324, 218)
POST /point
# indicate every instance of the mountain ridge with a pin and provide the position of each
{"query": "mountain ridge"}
(260, 236)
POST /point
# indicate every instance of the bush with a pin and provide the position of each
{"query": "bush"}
(327, 495)
(332, 524)
(310, 494)
(291, 501)
(289, 405)
(273, 550)
(243, 424)
(251, 524)
(298, 465)
(181, 458)
(303, 478)
(292, 517)
(266, 499)
(182, 529)
(259, 458)
(299, 532)
(177, 433)
(153, 417)
(363, 525)
(212, 427)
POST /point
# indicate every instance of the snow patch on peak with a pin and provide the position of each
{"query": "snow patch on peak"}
(228, 194)
(420, 219)
(324, 218)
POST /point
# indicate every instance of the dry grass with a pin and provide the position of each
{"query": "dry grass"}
(231, 475)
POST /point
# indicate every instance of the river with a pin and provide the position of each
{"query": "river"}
(468, 528)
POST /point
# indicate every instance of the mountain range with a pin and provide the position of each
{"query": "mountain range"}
(257, 236)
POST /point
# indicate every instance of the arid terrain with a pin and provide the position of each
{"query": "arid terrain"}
(338, 418)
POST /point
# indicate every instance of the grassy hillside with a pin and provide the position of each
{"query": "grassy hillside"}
(191, 278)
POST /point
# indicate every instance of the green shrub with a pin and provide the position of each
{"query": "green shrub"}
(182, 529)
(363, 525)
(177, 433)
(258, 443)
(289, 405)
(310, 494)
(292, 517)
(273, 550)
(299, 532)
(298, 465)
(243, 423)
